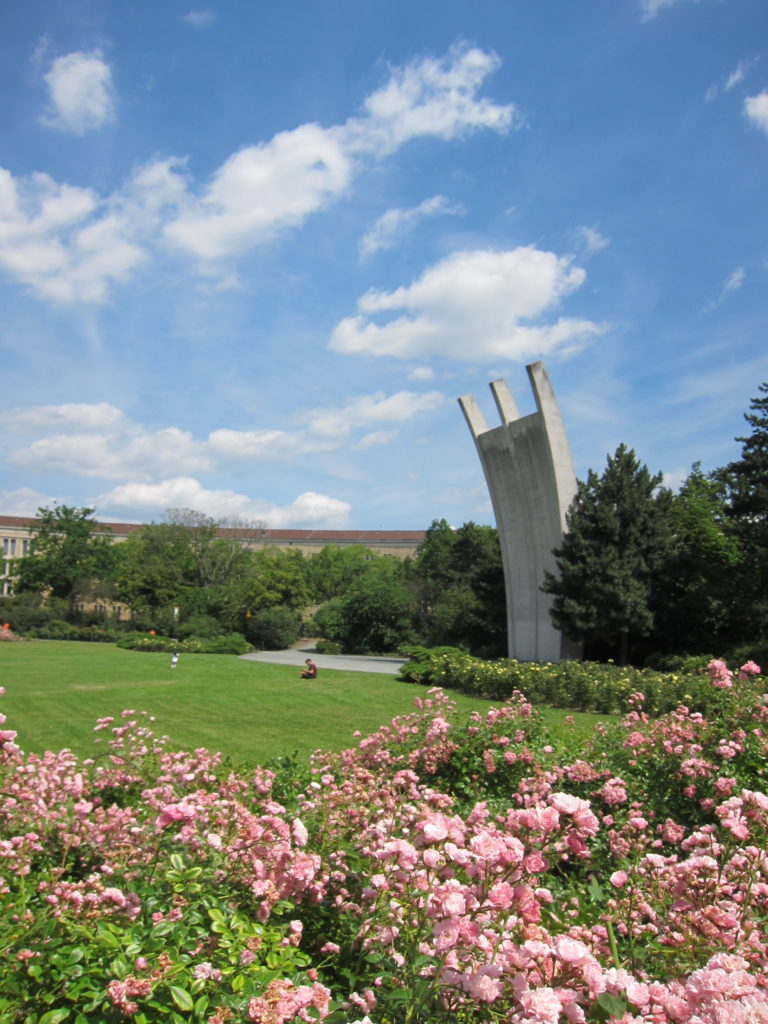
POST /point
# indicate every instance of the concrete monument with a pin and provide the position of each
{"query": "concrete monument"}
(529, 470)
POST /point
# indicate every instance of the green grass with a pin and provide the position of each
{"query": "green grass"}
(250, 711)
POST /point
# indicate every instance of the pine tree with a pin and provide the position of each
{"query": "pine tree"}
(617, 536)
(747, 485)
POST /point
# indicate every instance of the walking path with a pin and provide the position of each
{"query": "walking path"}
(298, 654)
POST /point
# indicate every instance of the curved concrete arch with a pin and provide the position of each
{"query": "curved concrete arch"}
(529, 471)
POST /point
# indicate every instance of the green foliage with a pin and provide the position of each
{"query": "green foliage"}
(581, 686)
(273, 629)
(277, 578)
(746, 482)
(28, 611)
(328, 647)
(458, 579)
(693, 599)
(65, 553)
(618, 532)
(375, 616)
(58, 629)
(233, 643)
(333, 570)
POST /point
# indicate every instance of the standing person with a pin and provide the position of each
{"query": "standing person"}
(310, 672)
(174, 660)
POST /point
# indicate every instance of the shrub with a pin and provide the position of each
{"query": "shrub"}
(273, 629)
(582, 686)
(328, 647)
(57, 629)
(233, 643)
(199, 626)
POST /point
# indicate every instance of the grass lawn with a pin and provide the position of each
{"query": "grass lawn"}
(250, 711)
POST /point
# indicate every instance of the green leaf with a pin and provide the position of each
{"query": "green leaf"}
(615, 1005)
(54, 1016)
(182, 998)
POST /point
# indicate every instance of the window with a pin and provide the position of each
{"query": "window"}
(25, 546)
(9, 545)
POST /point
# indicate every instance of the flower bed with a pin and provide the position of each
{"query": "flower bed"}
(576, 685)
(435, 871)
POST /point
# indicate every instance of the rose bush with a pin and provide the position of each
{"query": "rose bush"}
(437, 870)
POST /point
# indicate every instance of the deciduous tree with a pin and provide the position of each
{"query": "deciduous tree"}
(66, 553)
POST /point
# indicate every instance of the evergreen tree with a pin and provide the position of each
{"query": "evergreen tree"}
(617, 537)
(693, 600)
(746, 481)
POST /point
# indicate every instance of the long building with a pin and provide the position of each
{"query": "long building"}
(15, 532)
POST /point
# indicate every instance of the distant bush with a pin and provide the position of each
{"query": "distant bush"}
(58, 629)
(328, 647)
(273, 629)
(199, 626)
(233, 643)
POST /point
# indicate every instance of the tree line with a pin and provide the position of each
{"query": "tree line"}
(641, 571)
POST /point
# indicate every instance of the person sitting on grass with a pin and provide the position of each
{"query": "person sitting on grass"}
(310, 672)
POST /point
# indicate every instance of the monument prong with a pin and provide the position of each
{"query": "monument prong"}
(505, 403)
(473, 416)
(529, 471)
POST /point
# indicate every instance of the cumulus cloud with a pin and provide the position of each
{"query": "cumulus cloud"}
(80, 93)
(392, 224)
(267, 188)
(431, 97)
(69, 245)
(62, 241)
(471, 306)
(99, 442)
(309, 510)
(756, 109)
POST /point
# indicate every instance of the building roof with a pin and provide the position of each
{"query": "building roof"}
(364, 537)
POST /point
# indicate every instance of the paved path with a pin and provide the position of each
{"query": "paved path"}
(350, 662)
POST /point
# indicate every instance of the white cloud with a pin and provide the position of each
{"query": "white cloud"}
(144, 501)
(651, 8)
(734, 280)
(756, 109)
(738, 74)
(736, 77)
(421, 373)
(262, 190)
(83, 417)
(590, 239)
(99, 442)
(374, 439)
(200, 19)
(392, 224)
(24, 501)
(431, 97)
(471, 306)
(732, 283)
(80, 93)
(69, 245)
(49, 243)
(268, 188)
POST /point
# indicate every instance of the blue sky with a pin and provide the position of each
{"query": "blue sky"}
(252, 254)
